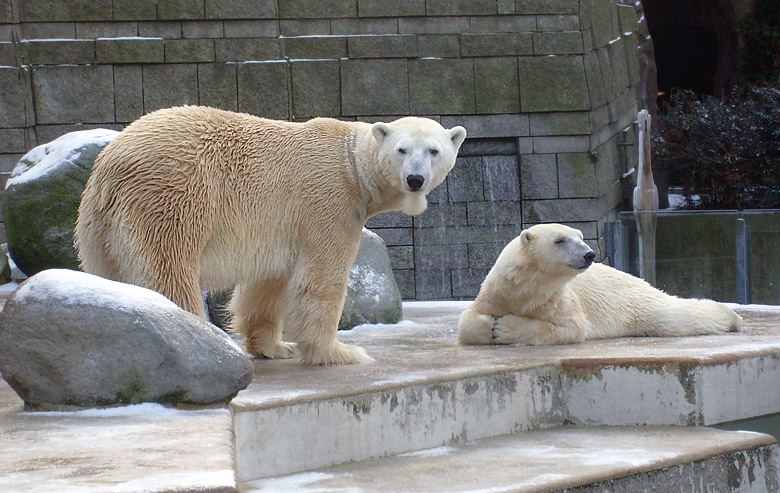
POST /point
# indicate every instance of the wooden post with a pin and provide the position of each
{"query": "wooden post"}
(645, 202)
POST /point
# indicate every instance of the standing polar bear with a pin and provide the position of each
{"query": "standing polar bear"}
(544, 290)
(194, 198)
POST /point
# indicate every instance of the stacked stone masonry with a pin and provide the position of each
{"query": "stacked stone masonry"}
(547, 90)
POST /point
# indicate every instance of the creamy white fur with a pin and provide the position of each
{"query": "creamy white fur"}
(538, 293)
(193, 198)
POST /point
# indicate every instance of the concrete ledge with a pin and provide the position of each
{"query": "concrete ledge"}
(146, 447)
(617, 458)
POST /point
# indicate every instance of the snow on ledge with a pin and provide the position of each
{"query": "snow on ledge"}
(431, 452)
(145, 410)
(70, 287)
(63, 149)
(753, 308)
(148, 410)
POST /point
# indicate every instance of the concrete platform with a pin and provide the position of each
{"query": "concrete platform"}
(426, 391)
(423, 392)
(604, 458)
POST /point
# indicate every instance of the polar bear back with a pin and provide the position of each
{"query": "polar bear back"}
(615, 301)
(239, 180)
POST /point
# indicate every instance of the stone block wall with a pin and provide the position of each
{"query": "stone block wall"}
(547, 90)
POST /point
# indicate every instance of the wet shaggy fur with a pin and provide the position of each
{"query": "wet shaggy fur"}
(542, 290)
(194, 198)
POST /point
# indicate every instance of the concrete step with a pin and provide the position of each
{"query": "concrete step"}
(424, 391)
(427, 391)
(690, 459)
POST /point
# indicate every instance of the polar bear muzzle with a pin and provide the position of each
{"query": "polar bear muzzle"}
(583, 256)
(415, 182)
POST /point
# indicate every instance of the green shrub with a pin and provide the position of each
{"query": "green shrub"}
(726, 152)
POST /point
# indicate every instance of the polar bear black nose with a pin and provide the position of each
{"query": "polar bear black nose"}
(589, 257)
(415, 182)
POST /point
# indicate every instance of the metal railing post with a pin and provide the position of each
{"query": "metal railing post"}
(620, 262)
(743, 262)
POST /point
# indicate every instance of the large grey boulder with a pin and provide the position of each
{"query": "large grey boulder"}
(70, 338)
(372, 294)
(42, 196)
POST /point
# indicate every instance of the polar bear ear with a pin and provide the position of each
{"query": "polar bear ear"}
(380, 131)
(457, 135)
(526, 236)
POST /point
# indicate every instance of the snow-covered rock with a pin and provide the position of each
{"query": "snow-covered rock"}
(70, 338)
(372, 294)
(42, 197)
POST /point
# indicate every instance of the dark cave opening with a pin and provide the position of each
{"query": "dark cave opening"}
(686, 58)
(695, 45)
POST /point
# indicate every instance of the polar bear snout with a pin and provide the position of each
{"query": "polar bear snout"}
(582, 256)
(585, 260)
(415, 182)
(589, 257)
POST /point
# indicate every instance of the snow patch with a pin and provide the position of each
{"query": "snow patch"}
(604, 456)
(369, 279)
(148, 410)
(8, 287)
(753, 308)
(372, 235)
(251, 62)
(55, 40)
(196, 479)
(70, 287)
(438, 305)
(313, 59)
(145, 410)
(676, 200)
(65, 149)
(127, 38)
(431, 452)
(297, 483)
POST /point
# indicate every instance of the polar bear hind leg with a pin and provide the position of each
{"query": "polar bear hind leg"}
(256, 310)
(176, 278)
(686, 317)
(91, 242)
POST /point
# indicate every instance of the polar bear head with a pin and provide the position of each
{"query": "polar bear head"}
(556, 249)
(415, 155)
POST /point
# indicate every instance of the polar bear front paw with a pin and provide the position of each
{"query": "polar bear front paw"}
(275, 350)
(337, 354)
(503, 332)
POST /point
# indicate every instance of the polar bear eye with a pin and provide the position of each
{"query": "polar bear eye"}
(560, 240)
(401, 150)
(434, 152)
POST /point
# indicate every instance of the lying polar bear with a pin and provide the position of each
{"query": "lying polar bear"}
(544, 290)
